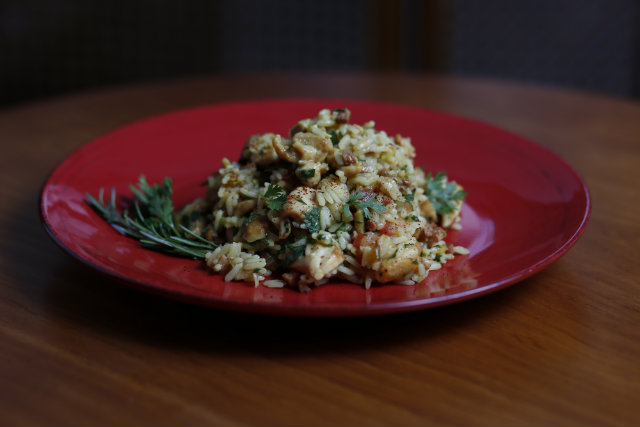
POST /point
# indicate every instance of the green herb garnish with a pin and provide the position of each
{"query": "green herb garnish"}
(306, 173)
(275, 197)
(152, 222)
(334, 137)
(443, 194)
(293, 252)
(365, 201)
(298, 199)
(410, 196)
(312, 220)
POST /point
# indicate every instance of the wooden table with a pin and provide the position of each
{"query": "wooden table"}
(560, 348)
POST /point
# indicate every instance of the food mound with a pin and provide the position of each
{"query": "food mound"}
(332, 200)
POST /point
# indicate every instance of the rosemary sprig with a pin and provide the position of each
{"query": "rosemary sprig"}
(151, 222)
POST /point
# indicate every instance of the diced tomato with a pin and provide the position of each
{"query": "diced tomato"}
(357, 239)
(390, 228)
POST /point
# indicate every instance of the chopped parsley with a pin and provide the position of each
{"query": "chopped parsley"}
(334, 137)
(293, 252)
(306, 173)
(312, 220)
(298, 199)
(410, 196)
(443, 194)
(275, 197)
(365, 201)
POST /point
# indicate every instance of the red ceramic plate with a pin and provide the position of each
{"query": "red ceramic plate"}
(525, 207)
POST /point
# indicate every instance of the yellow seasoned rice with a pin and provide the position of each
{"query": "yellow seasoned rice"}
(330, 200)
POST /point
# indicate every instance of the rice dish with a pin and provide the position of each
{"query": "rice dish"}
(330, 200)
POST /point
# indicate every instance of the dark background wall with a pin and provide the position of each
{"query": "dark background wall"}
(49, 47)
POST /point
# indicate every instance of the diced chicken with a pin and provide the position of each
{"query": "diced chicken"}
(284, 229)
(310, 172)
(428, 211)
(256, 229)
(284, 151)
(244, 207)
(402, 265)
(309, 146)
(259, 150)
(352, 170)
(348, 158)
(300, 201)
(432, 233)
(320, 262)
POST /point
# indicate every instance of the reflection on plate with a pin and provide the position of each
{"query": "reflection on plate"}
(525, 207)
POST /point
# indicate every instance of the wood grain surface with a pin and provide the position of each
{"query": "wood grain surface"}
(560, 348)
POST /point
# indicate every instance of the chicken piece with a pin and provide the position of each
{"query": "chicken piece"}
(402, 265)
(300, 201)
(431, 234)
(428, 211)
(283, 149)
(256, 229)
(348, 158)
(310, 172)
(244, 207)
(309, 146)
(320, 262)
(259, 150)
(354, 170)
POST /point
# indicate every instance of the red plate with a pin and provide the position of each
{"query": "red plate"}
(525, 207)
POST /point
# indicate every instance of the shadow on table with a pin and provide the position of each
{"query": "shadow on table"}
(79, 295)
